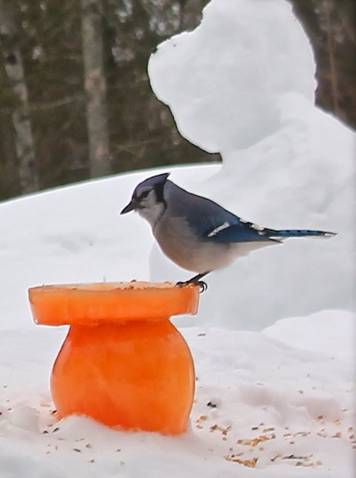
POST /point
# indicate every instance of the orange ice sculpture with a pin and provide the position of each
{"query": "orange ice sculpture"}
(122, 363)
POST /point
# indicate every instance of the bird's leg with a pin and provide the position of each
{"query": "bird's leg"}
(196, 280)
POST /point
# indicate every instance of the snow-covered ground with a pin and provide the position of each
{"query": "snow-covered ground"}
(259, 400)
(273, 342)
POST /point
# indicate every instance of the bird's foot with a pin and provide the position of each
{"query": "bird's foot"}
(202, 285)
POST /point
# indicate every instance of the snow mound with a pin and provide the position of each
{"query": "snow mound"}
(242, 83)
(223, 80)
(335, 328)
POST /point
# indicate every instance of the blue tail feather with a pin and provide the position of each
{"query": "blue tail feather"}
(284, 233)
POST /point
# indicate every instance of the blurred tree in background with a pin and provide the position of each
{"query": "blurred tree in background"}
(75, 100)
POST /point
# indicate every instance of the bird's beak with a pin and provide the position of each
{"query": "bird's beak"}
(130, 207)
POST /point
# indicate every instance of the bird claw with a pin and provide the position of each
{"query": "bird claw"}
(202, 285)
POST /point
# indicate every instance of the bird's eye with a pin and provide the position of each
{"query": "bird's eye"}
(144, 194)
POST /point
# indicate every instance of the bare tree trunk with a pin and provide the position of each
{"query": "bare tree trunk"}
(13, 63)
(95, 87)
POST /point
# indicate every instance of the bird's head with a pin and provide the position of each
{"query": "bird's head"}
(148, 198)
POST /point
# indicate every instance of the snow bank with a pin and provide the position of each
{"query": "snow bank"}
(336, 333)
(243, 84)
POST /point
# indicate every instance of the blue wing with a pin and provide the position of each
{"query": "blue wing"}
(210, 221)
(240, 232)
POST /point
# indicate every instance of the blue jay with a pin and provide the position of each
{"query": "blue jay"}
(198, 234)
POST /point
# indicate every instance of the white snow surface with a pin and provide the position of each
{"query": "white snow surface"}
(273, 342)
